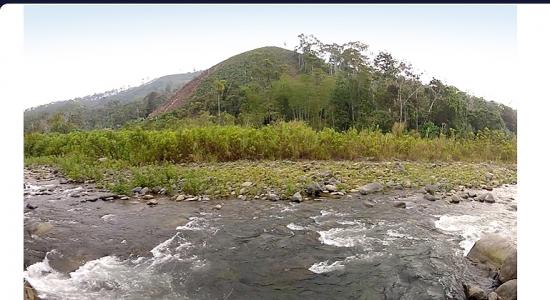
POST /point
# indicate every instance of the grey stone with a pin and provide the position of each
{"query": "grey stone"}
(508, 290)
(217, 206)
(371, 188)
(474, 292)
(137, 189)
(297, 197)
(490, 198)
(152, 202)
(491, 250)
(431, 197)
(331, 188)
(148, 197)
(493, 296)
(144, 191)
(455, 199)
(272, 197)
(509, 268)
(180, 198)
(400, 204)
(313, 189)
(481, 197)
(431, 188)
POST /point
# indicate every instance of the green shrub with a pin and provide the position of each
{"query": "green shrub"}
(285, 140)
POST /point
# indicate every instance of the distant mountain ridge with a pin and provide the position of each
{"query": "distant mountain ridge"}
(105, 103)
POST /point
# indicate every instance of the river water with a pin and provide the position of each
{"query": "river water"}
(328, 249)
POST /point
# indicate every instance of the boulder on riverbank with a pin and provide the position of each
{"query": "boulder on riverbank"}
(313, 189)
(509, 268)
(492, 250)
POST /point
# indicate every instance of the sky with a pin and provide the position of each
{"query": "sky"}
(77, 50)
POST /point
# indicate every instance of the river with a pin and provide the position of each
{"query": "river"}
(326, 249)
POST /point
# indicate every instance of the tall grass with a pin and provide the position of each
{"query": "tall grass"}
(293, 140)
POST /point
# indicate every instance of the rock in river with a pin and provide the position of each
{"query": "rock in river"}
(371, 188)
(489, 198)
(492, 296)
(491, 249)
(431, 197)
(455, 199)
(368, 204)
(41, 228)
(152, 202)
(474, 292)
(509, 268)
(297, 197)
(400, 204)
(508, 290)
(148, 197)
(30, 206)
(180, 198)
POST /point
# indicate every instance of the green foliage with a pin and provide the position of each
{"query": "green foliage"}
(283, 140)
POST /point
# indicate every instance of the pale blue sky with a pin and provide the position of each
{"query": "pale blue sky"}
(80, 49)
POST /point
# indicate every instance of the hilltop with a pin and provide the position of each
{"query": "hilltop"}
(262, 64)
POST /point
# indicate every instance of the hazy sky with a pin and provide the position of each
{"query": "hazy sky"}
(76, 50)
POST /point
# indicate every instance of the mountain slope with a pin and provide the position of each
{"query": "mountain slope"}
(239, 70)
(95, 108)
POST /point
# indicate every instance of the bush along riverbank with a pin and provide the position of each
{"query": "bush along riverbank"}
(293, 140)
(280, 159)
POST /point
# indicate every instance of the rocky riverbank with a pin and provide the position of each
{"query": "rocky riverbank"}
(344, 238)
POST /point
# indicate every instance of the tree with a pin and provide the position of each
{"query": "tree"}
(220, 89)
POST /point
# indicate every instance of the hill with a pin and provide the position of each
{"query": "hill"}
(330, 85)
(107, 109)
(256, 66)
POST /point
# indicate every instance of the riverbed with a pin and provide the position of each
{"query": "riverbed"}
(330, 248)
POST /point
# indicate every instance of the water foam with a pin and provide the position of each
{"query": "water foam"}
(110, 277)
(325, 266)
(293, 226)
(470, 228)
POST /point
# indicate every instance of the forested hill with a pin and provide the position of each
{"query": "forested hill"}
(331, 85)
(105, 110)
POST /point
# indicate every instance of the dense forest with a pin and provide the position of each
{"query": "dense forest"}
(337, 86)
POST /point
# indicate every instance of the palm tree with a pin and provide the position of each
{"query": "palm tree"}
(220, 88)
